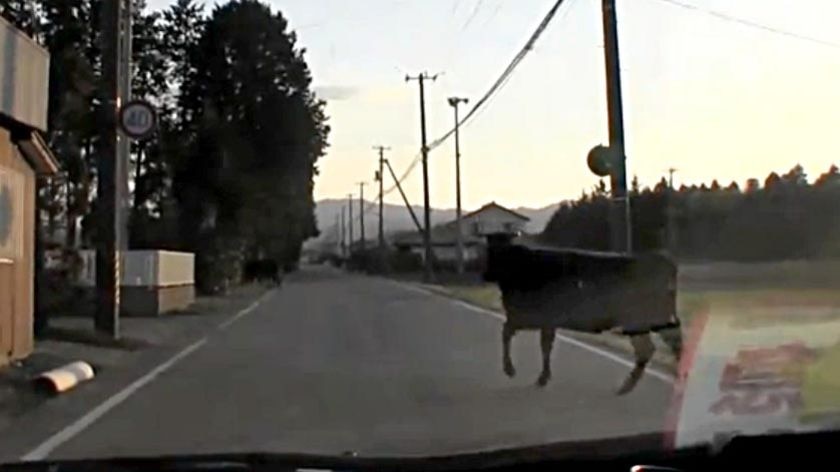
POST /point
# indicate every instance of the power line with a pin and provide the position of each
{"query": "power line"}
(502, 80)
(497, 85)
(750, 23)
(474, 13)
(494, 88)
(506, 74)
(507, 79)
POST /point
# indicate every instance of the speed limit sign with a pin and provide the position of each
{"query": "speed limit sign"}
(138, 119)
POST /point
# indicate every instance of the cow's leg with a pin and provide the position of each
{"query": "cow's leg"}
(546, 344)
(507, 362)
(673, 339)
(643, 349)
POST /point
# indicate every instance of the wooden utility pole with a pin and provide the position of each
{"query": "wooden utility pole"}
(427, 226)
(620, 209)
(381, 178)
(109, 203)
(362, 216)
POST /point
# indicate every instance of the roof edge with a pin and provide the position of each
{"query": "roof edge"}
(37, 152)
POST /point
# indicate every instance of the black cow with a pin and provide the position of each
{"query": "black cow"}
(546, 288)
(263, 270)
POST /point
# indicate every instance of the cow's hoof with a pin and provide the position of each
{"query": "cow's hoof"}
(509, 369)
(624, 389)
(630, 382)
(542, 381)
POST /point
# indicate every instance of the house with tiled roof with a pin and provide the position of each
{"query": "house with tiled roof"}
(491, 218)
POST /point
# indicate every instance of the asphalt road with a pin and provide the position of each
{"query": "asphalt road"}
(335, 362)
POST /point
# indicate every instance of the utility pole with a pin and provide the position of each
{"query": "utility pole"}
(109, 205)
(338, 233)
(672, 224)
(459, 236)
(427, 226)
(405, 199)
(620, 209)
(350, 223)
(381, 178)
(343, 245)
(123, 142)
(671, 172)
(362, 215)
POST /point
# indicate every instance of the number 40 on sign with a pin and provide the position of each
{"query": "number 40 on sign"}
(137, 119)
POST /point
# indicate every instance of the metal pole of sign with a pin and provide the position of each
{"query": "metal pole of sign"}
(123, 141)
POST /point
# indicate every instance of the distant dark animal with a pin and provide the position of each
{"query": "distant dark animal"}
(547, 288)
(263, 270)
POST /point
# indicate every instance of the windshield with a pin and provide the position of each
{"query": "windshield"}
(394, 228)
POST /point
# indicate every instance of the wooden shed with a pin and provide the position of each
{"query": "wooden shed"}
(24, 75)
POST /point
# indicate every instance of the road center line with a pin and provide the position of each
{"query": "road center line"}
(652, 371)
(59, 438)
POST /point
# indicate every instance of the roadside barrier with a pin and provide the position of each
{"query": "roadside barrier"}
(64, 378)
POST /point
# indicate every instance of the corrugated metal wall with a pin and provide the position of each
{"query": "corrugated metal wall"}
(24, 77)
(144, 268)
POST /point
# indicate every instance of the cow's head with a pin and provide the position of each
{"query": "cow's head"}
(498, 256)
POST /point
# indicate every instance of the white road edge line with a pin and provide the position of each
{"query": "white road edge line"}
(233, 319)
(652, 371)
(45, 448)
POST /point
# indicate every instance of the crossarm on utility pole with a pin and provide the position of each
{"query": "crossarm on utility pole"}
(405, 199)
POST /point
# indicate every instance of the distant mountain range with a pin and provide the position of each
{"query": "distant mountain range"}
(396, 217)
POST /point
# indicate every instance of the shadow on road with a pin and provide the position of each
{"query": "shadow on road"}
(314, 274)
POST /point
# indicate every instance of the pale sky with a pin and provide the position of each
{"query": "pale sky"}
(713, 98)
